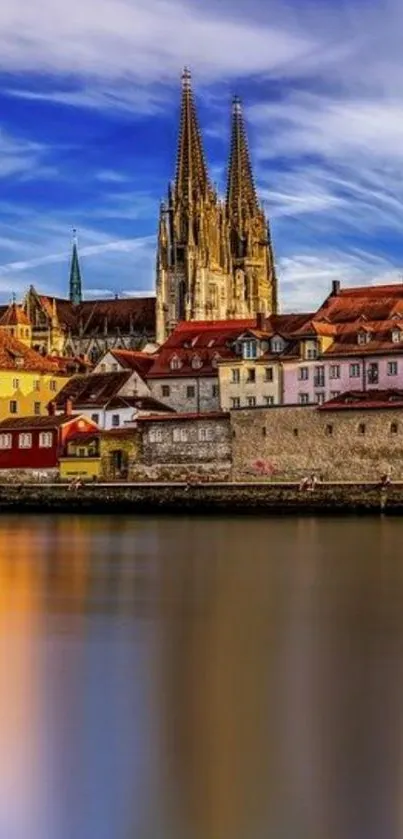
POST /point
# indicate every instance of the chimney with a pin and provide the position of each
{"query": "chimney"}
(52, 409)
(260, 320)
(68, 408)
(335, 287)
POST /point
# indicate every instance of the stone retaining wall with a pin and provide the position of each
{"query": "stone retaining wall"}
(222, 498)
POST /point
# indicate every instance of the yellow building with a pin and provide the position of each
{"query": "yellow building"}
(28, 381)
(82, 457)
(253, 378)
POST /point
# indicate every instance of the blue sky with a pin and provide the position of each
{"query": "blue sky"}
(89, 100)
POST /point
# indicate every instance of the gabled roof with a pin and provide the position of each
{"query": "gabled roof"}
(203, 342)
(140, 403)
(380, 339)
(94, 390)
(364, 399)
(41, 423)
(120, 314)
(14, 316)
(350, 304)
(14, 355)
(140, 362)
(179, 417)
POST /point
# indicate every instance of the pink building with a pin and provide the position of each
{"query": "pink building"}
(354, 342)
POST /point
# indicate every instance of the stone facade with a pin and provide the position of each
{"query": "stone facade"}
(195, 394)
(186, 446)
(288, 443)
(120, 451)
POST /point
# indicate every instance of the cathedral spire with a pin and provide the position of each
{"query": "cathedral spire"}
(241, 193)
(191, 180)
(75, 289)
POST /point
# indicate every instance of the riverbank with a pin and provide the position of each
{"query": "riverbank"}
(179, 498)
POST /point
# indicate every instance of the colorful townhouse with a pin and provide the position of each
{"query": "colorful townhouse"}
(110, 400)
(185, 370)
(34, 446)
(353, 342)
(28, 381)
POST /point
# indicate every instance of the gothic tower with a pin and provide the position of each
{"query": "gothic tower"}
(214, 258)
(75, 285)
(254, 286)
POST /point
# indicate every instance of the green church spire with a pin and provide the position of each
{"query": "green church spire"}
(75, 293)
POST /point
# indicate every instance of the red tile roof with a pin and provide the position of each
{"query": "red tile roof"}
(14, 316)
(131, 360)
(47, 422)
(14, 355)
(206, 342)
(364, 399)
(141, 403)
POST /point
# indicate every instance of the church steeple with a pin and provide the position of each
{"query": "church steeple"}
(75, 289)
(191, 178)
(241, 193)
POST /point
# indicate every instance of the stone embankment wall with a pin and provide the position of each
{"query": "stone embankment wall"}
(288, 443)
(183, 499)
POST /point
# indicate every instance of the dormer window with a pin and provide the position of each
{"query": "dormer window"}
(215, 360)
(277, 345)
(250, 348)
(396, 336)
(363, 337)
(196, 362)
(175, 363)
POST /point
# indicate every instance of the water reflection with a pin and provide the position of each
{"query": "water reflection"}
(197, 679)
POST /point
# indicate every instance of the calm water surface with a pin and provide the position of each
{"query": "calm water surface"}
(201, 679)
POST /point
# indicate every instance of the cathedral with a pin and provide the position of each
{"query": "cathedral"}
(214, 258)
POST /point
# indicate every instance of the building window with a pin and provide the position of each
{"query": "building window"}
(190, 392)
(312, 353)
(13, 407)
(303, 373)
(115, 420)
(393, 428)
(197, 362)
(115, 368)
(16, 384)
(53, 385)
(25, 441)
(251, 401)
(166, 390)
(180, 435)
(235, 402)
(155, 435)
(392, 368)
(361, 428)
(251, 374)
(363, 337)
(319, 398)
(277, 345)
(334, 372)
(373, 373)
(215, 391)
(334, 393)
(103, 368)
(303, 398)
(45, 440)
(268, 400)
(5, 441)
(319, 376)
(37, 384)
(175, 363)
(354, 371)
(205, 434)
(396, 336)
(264, 431)
(249, 349)
(268, 374)
(235, 377)
(95, 418)
(295, 432)
(329, 430)
(37, 408)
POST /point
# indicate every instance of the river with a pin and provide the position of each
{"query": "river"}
(178, 678)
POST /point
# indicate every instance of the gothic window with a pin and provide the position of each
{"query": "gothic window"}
(181, 300)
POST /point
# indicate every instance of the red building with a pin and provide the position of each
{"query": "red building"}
(39, 442)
